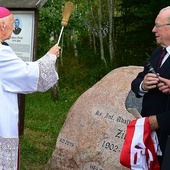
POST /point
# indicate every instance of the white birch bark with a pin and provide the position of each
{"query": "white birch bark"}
(74, 43)
(111, 22)
(100, 33)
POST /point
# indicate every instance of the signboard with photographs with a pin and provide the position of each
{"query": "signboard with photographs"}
(22, 38)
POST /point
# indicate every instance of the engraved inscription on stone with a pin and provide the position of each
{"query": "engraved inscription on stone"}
(67, 142)
(92, 166)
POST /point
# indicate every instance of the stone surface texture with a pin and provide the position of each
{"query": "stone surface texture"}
(94, 130)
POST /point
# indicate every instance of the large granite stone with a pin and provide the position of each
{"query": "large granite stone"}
(93, 133)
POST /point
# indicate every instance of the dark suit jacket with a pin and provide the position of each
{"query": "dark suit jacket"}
(155, 102)
(17, 30)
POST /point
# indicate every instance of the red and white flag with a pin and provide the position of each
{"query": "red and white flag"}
(141, 147)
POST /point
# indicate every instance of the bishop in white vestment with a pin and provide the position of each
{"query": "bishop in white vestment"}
(17, 76)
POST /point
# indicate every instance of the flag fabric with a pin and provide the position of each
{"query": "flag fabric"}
(141, 146)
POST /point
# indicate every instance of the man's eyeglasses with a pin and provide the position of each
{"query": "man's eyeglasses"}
(160, 25)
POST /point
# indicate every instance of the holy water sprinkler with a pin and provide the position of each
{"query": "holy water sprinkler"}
(66, 15)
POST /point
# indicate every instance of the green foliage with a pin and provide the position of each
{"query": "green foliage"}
(49, 24)
(133, 22)
(133, 28)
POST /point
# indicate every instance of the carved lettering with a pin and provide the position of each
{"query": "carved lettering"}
(93, 167)
(110, 146)
(98, 113)
(120, 134)
(108, 116)
(122, 120)
(66, 142)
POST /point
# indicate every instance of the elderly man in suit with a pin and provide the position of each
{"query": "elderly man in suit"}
(154, 87)
(17, 29)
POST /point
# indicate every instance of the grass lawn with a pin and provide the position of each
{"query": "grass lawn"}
(43, 121)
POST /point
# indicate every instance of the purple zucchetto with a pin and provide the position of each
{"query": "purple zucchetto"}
(4, 12)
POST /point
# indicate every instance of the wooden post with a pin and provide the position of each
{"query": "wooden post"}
(21, 106)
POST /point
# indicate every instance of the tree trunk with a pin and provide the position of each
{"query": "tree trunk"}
(100, 33)
(55, 90)
(92, 35)
(111, 46)
(74, 43)
(94, 44)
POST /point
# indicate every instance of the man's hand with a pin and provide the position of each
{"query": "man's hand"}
(164, 85)
(150, 81)
(153, 122)
(55, 50)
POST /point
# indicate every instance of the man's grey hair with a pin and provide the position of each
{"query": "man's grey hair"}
(163, 9)
(166, 8)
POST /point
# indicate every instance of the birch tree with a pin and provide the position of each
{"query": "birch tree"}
(100, 32)
(111, 29)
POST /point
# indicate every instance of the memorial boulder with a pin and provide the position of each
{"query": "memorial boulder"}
(94, 130)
